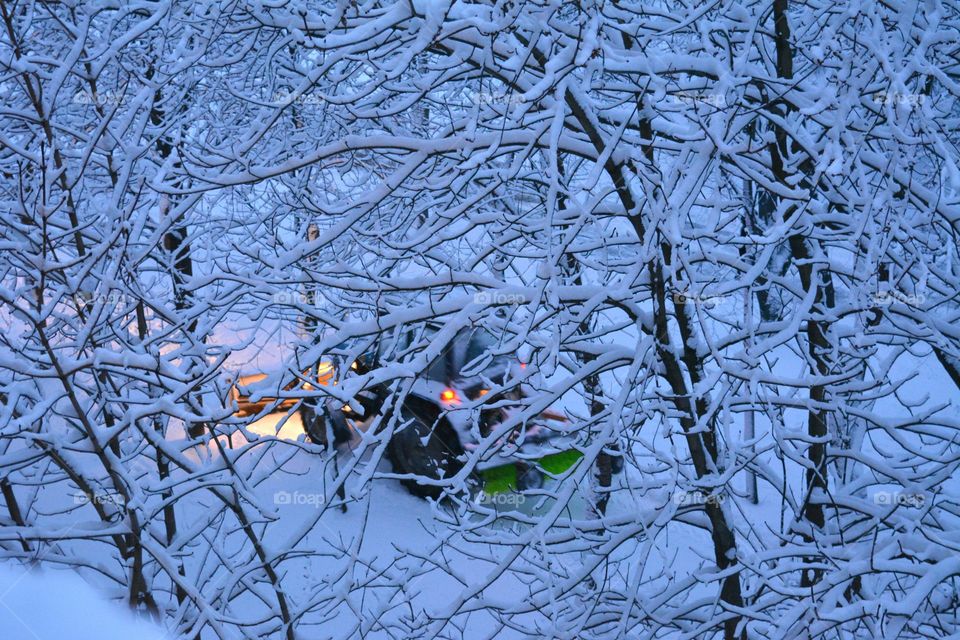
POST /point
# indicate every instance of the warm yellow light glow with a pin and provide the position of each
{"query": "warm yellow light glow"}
(325, 373)
(270, 426)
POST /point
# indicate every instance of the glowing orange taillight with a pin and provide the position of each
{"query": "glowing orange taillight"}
(449, 395)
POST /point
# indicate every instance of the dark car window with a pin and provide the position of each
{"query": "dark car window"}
(469, 354)
(479, 357)
(481, 342)
(439, 368)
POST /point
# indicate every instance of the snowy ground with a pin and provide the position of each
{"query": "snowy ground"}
(387, 540)
(59, 605)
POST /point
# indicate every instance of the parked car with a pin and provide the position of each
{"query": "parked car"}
(441, 419)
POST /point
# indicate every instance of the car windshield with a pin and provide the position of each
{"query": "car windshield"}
(479, 357)
(468, 355)
(439, 368)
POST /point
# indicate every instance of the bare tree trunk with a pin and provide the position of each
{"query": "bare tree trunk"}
(749, 428)
(818, 345)
(175, 239)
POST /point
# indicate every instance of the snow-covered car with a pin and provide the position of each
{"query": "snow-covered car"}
(443, 417)
(452, 410)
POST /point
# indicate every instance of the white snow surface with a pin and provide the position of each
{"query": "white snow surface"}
(59, 605)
